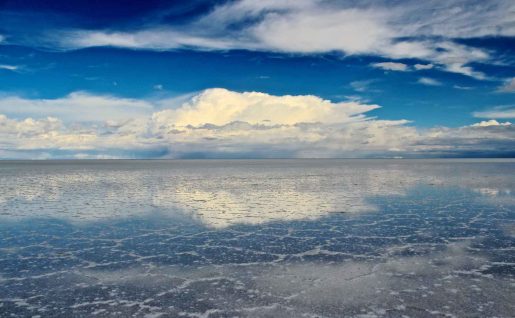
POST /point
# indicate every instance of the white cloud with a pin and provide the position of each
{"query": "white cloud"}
(362, 86)
(223, 123)
(391, 66)
(405, 30)
(423, 66)
(491, 122)
(496, 112)
(460, 19)
(9, 67)
(222, 107)
(429, 81)
(45, 133)
(348, 30)
(508, 86)
(465, 88)
(77, 106)
(155, 39)
(455, 57)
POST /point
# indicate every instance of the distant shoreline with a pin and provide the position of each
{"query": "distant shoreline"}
(482, 159)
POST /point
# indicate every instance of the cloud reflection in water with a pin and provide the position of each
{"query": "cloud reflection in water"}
(257, 238)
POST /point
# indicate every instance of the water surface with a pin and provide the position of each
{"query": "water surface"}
(263, 238)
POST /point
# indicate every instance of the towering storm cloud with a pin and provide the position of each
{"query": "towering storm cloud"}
(222, 123)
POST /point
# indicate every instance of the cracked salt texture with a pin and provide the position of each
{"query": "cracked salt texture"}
(273, 238)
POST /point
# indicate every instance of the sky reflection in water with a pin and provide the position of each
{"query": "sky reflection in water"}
(283, 238)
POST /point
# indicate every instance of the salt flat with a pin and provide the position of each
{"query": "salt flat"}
(254, 238)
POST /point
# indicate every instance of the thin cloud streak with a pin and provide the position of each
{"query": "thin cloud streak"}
(429, 81)
(499, 112)
(9, 67)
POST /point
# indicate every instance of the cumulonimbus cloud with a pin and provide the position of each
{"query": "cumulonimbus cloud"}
(222, 107)
(222, 123)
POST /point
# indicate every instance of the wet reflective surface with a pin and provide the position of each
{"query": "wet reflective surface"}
(268, 238)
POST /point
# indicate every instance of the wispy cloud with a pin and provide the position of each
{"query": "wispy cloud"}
(465, 88)
(77, 106)
(421, 30)
(497, 112)
(363, 86)
(508, 86)
(9, 67)
(429, 81)
(419, 67)
(391, 66)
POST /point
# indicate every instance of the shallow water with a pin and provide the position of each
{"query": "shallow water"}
(263, 238)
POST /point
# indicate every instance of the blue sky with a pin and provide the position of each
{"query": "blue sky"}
(441, 77)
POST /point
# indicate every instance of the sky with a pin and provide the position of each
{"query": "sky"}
(257, 79)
